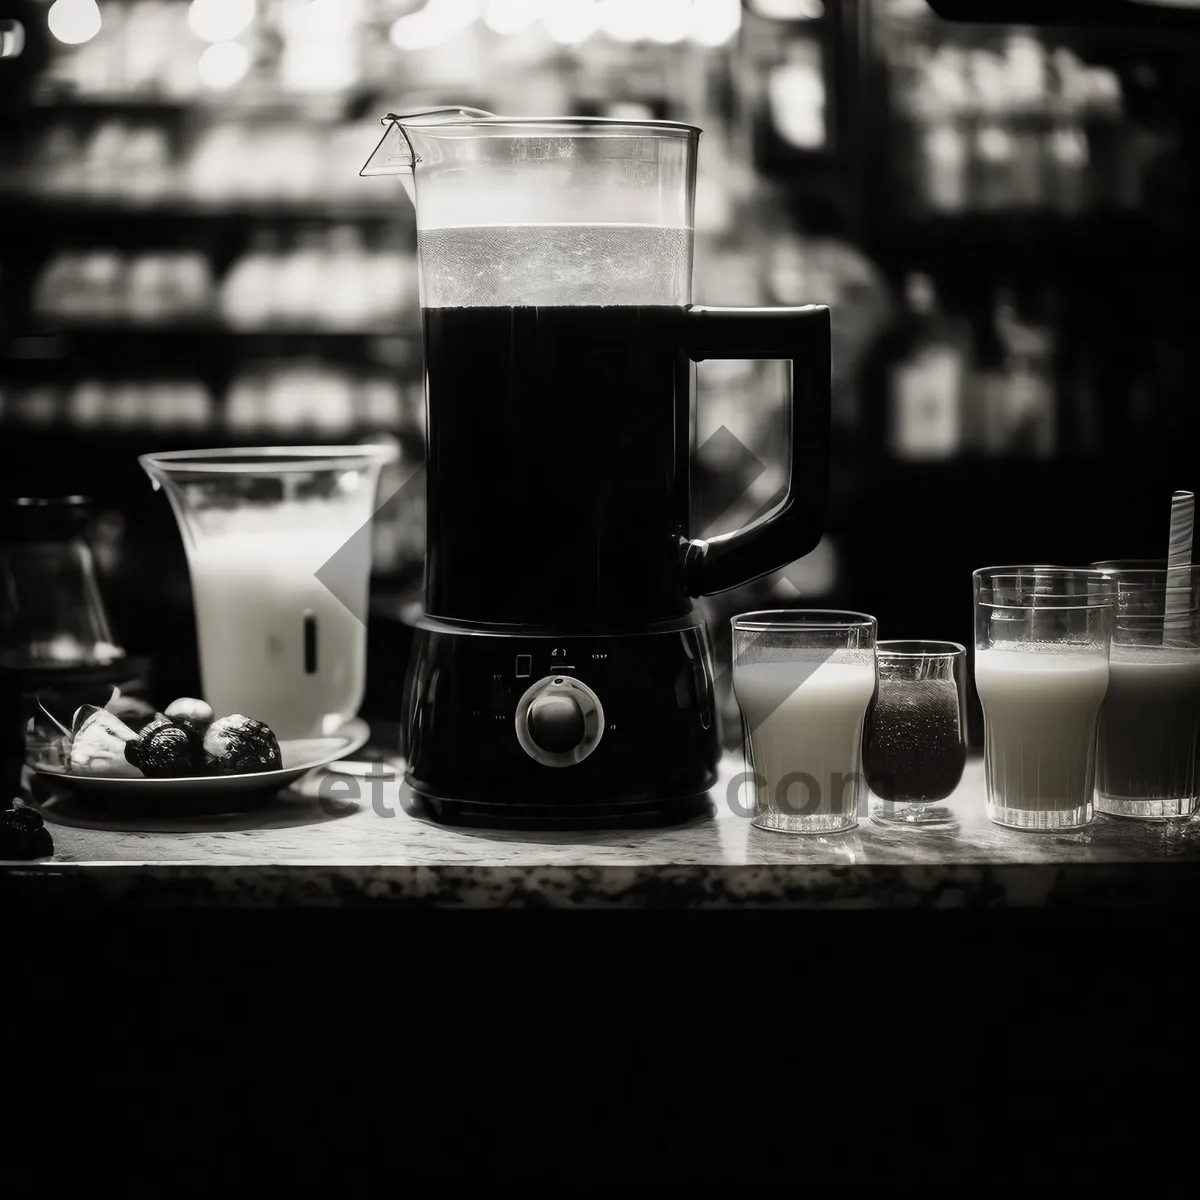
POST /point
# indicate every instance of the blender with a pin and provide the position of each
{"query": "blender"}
(560, 669)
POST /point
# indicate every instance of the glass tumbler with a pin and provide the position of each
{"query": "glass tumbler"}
(803, 681)
(915, 746)
(1146, 762)
(1042, 641)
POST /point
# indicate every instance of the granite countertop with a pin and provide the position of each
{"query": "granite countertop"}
(303, 849)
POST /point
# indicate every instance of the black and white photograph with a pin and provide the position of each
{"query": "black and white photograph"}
(598, 586)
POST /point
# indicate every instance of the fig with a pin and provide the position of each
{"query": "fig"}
(134, 712)
(166, 751)
(157, 721)
(237, 745)
(100, 746)
(191, 713)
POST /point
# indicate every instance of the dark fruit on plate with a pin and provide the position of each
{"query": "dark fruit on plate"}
(237, 745)
(134, 712)
(191, 713)
(166, 751)
(25, 815)
(157, 721)
(19, 840)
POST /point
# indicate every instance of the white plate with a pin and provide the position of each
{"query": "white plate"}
(299, 757)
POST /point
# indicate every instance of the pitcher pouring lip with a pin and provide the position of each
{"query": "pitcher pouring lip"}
(396, 153)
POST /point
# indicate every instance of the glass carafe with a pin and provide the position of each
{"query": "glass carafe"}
(51, 611)
(555, 261)
(57, 647)
(278, 544)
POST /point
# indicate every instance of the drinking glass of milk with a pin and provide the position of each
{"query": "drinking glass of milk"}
(803, 681)
(281, 628)
(1043, 636)
(1146, 763)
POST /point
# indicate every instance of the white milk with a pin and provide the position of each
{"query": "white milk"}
(805, 720)
(253, 590)
(1041, 709)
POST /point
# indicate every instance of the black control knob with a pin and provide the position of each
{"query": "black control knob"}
(556, 723)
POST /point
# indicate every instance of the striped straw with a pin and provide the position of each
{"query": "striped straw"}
(1179, 555)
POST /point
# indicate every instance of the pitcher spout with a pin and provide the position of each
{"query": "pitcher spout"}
(399, 150)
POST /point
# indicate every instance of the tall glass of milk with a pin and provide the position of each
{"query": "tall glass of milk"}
(804, 680)
(1043, 637)
(279, 552)
(1146, 763)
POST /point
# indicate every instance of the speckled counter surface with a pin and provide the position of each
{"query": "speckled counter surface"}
(305, 848)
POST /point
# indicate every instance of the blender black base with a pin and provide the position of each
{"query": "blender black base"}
(656, 750)
(644, 815)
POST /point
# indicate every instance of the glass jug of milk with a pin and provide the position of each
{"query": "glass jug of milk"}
(278, 544)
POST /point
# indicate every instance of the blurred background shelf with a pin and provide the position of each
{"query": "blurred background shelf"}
(92, 212)
(1002, 219)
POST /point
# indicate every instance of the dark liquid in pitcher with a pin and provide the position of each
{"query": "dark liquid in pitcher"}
(558, 463)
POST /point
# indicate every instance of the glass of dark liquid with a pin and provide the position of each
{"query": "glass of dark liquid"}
(915, 742)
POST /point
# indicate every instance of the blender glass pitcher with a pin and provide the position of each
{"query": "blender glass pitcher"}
(559, 334)
(279, 551)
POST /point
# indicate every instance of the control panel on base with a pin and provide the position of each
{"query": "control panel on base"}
(559, 721)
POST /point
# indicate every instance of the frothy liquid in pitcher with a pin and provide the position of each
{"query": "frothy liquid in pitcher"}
(518, 265)
(559, 410)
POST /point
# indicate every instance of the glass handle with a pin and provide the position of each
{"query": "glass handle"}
(795, 526)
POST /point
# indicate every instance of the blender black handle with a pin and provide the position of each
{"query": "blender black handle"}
(791, 530)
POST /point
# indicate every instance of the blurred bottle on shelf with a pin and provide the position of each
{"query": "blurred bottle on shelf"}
(928, 387)
(324, 280)
(38, 407)
(1022, 402)
(993, 184)
(1026, 91)
(344, 299)
(303, 399)
(1117, 165)
(796, 99)
(247, 294)
(90, 285)
(1015, 124)
(168, 287)
(299, 278)
(321, 44)
(142, 48)
(937, 100)
(293, 399)
(104, 285)
(55, 167)
(86, 406)
(390, 279)
(1068, 150)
